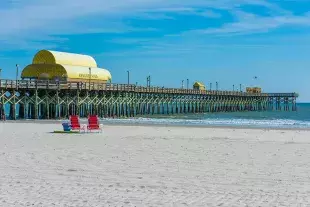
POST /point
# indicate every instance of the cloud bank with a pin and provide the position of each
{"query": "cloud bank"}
(29, 23)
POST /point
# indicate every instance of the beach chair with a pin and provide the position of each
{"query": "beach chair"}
(93, 123)
(75, 123)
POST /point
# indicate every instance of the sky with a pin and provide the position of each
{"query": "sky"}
(224, 41)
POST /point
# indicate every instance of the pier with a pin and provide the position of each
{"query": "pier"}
(38, 99)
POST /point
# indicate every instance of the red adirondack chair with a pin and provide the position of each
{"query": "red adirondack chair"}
(93, 123)
(75, 123)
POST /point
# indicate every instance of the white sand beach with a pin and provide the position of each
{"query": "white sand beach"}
(153, 166)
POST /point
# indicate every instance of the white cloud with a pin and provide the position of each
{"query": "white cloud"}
(45, 14)
(22, 22)
(188, 11)
(250, 23)
(39, 17)
(210, 13)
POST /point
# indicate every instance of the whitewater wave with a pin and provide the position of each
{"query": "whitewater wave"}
(275, 123)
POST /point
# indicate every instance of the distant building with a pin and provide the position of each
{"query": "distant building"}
(199, 86)
(61, 66)
(253, 90)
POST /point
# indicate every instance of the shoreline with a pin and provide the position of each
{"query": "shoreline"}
(54, 121)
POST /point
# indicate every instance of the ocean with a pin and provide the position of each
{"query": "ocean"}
(266, 119)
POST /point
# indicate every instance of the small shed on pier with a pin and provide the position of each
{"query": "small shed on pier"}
(253, 90)
(199, 86)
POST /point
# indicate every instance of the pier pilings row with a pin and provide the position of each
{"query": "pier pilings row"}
(52, 101)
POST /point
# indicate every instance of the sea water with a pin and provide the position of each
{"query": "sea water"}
(264, 119)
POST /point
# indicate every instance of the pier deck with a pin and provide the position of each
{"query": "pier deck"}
(50, 100)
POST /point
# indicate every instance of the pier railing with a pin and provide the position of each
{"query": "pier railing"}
(52, 85)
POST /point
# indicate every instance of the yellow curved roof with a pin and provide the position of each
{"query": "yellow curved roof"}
(63, 58)
(199, 84)
(52, 71)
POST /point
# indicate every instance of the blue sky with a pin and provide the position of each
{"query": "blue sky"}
(229, 41)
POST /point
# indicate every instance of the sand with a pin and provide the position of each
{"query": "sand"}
(153, 166)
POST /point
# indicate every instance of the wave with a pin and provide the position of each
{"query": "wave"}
(274, 123)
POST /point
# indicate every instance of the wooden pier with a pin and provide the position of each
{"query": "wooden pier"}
(52, 100)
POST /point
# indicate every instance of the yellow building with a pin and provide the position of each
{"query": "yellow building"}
(253, 90)
(52, 65)
(249, 90)
(199, 86)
